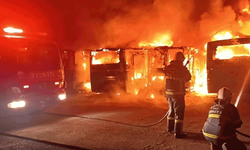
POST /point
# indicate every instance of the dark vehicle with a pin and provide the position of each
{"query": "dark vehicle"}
(31, 72)
(228, 62)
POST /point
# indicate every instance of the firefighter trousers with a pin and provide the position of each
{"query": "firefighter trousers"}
(176, 114)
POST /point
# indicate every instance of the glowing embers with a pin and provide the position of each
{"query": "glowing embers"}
(228, 52)
(136, 92)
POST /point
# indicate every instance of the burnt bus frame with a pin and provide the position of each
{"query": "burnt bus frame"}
(122, 63)
(211, 51)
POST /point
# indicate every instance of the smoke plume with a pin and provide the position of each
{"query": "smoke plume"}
(127, 23)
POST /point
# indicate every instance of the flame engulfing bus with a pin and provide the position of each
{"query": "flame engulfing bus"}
(228, 62)
(132, 70)
(31, 72)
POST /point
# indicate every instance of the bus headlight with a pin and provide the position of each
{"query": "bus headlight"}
(17, 104)
(62, 96)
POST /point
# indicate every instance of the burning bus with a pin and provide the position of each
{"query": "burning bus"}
(117, 69)
(131, 70)
(228, 63)
(31, 70)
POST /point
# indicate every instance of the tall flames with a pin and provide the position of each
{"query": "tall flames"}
(215, 21)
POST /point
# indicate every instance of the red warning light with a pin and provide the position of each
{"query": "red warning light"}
(12, 30)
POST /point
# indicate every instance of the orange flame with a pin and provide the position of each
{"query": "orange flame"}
(105, 57)
(224, 53)
(222, 36)
(201, 82)
(87, 86)
(163, 40)
(246, 10)
(138, 75)
(84, 66)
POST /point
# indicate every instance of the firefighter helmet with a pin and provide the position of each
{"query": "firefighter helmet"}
(179, 56)
(224, 94)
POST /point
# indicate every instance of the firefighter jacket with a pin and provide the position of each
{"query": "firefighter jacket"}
(176, 77)
(222, 122)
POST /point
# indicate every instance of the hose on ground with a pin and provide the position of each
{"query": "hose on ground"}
(243, 134)
(144, 126)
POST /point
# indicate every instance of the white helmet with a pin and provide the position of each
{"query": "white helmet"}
(224, 94)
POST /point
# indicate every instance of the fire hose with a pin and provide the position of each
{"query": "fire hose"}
(99, 119)
(245, 135)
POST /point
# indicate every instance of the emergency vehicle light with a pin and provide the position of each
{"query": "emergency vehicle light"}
(62, 96)
(26, 86)
(17, 104)
(12, 30)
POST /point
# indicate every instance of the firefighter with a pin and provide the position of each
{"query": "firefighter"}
(177, 75)
(223, 119)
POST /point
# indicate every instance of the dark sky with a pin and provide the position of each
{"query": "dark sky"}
(69, 21)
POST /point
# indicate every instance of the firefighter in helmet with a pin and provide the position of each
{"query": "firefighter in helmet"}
(223, 119)
(177, 75)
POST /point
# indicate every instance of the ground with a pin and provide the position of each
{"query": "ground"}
(113, 123)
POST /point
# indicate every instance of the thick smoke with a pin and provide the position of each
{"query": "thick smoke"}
(217, 19)
(126, 23)
(148, 23)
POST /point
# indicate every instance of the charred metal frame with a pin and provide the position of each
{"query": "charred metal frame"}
(122, 70)
(236, 73)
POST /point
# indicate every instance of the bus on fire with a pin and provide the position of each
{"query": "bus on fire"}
(228, 62)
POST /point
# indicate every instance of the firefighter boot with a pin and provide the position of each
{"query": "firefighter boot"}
(179, 130)
(170, 123)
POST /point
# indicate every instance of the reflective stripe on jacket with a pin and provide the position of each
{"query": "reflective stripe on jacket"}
(222, 122)
(176, 77)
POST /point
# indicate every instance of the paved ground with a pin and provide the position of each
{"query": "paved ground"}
(111, 123)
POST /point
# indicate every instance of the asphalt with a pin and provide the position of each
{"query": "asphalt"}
(12, 142)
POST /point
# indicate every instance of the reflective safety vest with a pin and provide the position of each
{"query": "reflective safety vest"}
(176, 77)
(222, 122)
